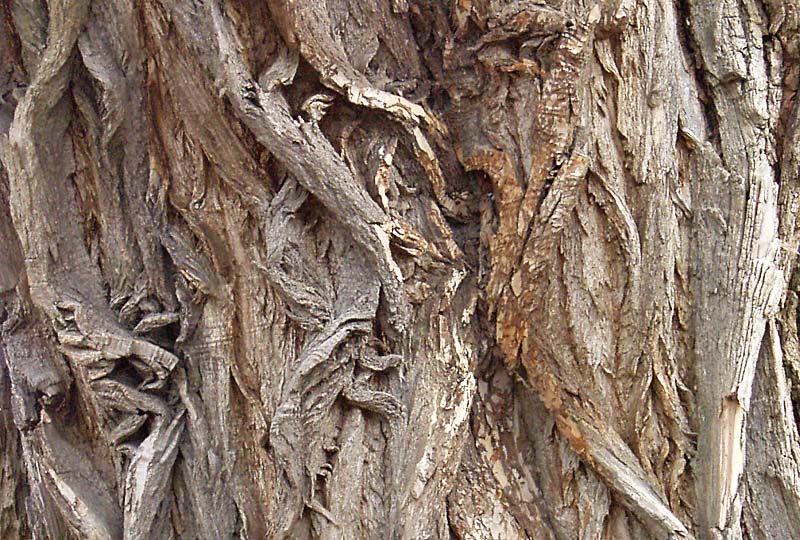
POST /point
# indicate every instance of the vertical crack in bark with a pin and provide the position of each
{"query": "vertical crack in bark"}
(605, 451)
(66, 286)
(749, 282)
(772, 481)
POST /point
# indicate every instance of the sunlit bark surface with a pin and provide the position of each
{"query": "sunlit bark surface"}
(399, 269)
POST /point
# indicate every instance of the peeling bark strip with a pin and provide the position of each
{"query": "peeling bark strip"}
(359, 269)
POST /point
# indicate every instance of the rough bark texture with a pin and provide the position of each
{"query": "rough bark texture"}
(403, 269)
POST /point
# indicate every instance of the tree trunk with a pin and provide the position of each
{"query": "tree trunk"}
(403, 269)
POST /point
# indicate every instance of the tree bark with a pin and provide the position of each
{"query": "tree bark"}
(358, 269)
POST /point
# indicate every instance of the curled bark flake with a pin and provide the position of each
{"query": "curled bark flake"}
(113, 342)
(307, 27)
(154, 321)
(126, 428)
(382, 403)
(379, 363)
(122, 397)
(311, 159)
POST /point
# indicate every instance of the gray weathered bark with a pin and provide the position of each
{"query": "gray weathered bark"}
(471, 269)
